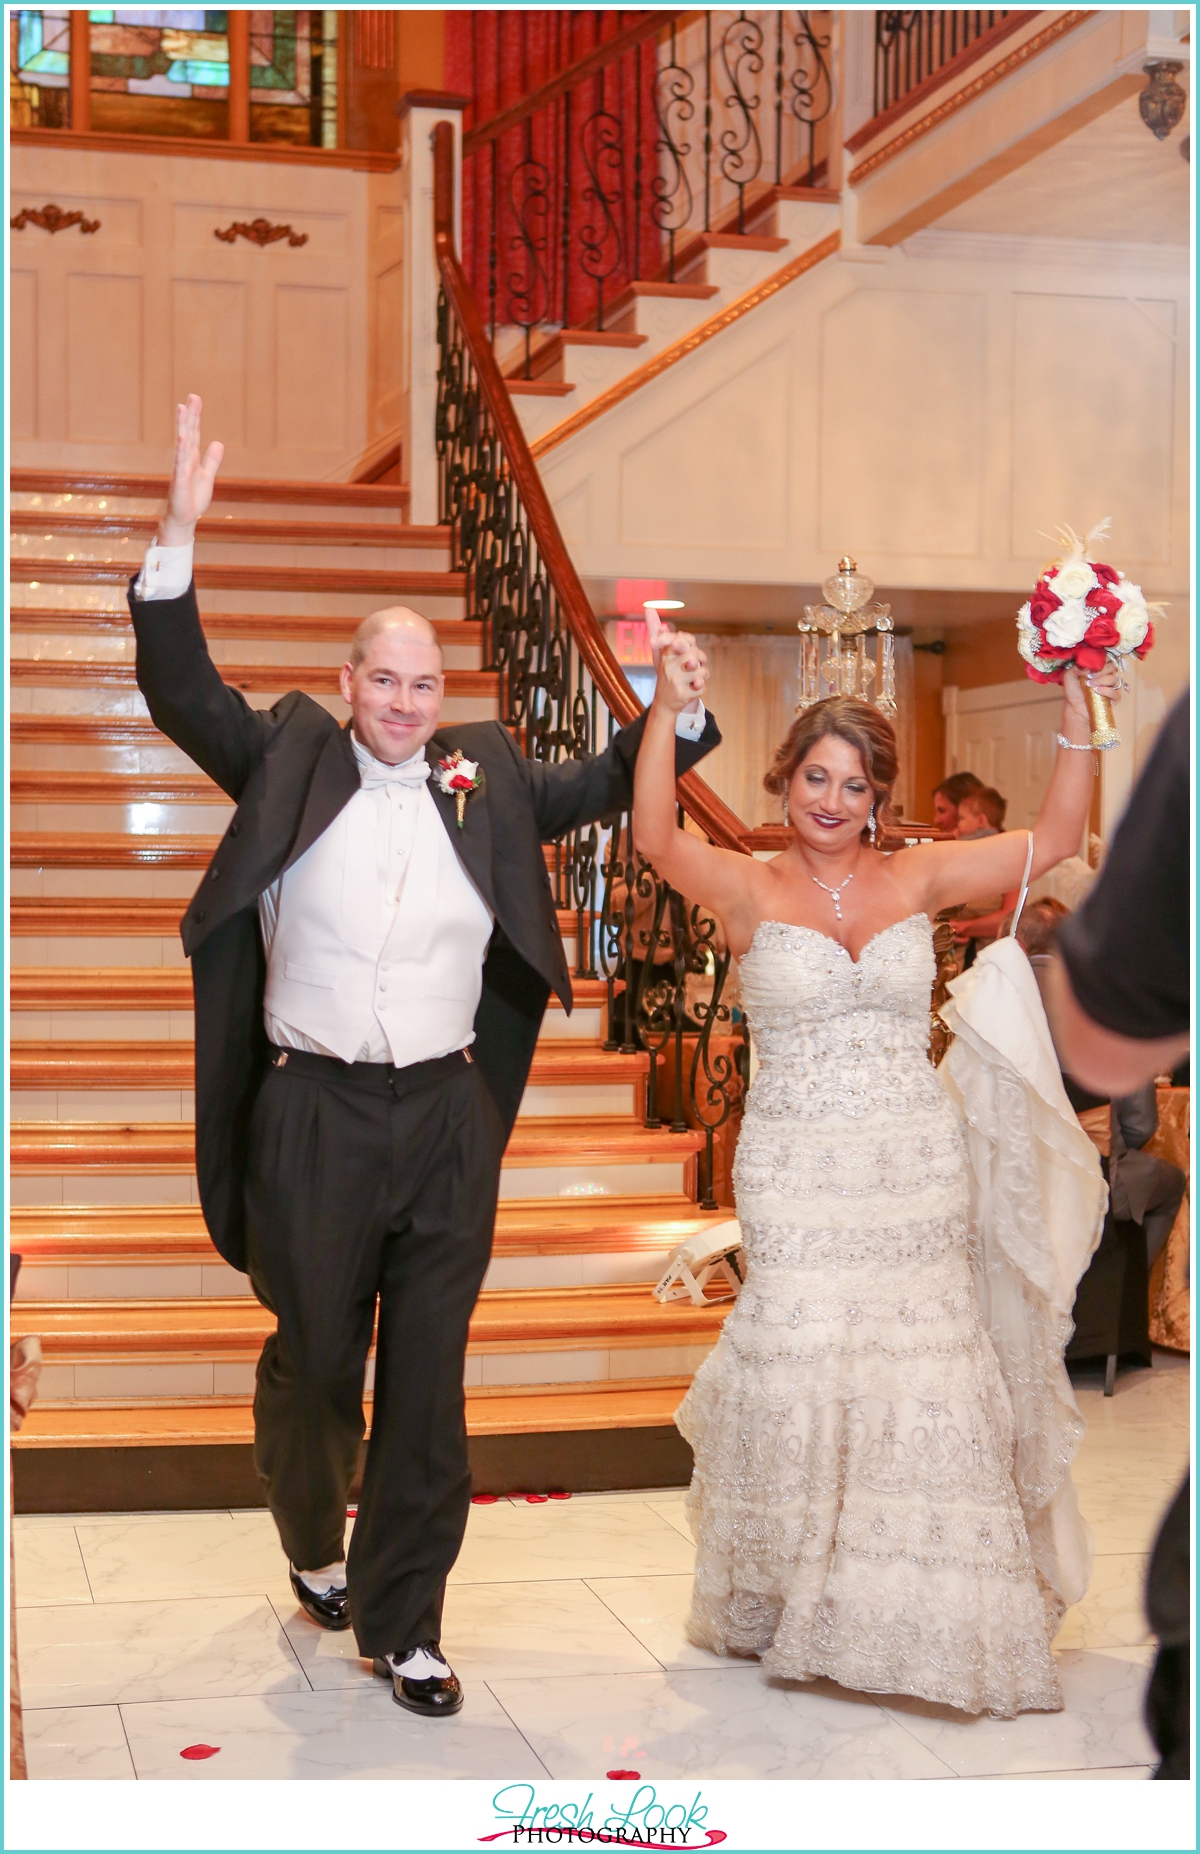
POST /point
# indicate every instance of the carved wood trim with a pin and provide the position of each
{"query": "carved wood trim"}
(52, 218)
(205, 148)
(260, 232)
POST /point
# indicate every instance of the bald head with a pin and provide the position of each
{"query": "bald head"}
(394, 618)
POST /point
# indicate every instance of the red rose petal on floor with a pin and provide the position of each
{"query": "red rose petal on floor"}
(558, 1496)
(620, 1775)
(536, 1499)
(484, 1499)
(195, 1752)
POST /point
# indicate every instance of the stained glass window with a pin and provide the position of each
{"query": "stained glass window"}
(39, 66)
(160, 52)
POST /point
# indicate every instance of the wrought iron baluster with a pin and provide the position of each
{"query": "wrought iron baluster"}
(708, 139)
(811, 86)
(602, 146)
(528, 287)
(779, 97)
(670, 190)
(741, 144)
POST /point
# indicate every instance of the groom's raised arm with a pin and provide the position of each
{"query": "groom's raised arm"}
(569, 793)
(213, 724)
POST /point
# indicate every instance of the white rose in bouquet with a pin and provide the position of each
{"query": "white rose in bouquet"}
(1066, 626)
(1074, 580)
(1027, 634)
(1133, 619)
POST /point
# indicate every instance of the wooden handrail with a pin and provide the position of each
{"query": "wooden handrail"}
(700, 802)
(596, 60)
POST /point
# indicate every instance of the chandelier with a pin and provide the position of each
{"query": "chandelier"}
(833, 643)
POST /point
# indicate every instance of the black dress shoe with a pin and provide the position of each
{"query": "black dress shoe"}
(437, 1697)
(331, 1611)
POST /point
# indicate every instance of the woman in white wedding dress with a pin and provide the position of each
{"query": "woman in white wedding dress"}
(853, 1500)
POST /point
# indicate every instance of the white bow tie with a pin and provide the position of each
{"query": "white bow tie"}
(374, 773)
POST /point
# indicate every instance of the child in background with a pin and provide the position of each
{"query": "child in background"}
(981, 814)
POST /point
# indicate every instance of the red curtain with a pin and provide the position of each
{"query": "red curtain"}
(553, 229)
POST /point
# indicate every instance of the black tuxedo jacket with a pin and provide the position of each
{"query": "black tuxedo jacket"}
(291, 769)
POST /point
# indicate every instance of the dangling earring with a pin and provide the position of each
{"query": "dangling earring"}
(871, 826)
(786, 819)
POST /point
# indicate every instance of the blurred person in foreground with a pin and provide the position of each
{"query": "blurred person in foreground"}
(1144, 1189)
(1119, 998)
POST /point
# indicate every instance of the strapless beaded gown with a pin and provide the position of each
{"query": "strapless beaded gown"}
(853, 1501)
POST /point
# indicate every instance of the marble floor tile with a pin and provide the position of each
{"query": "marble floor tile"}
(189, 1556)
(1131, 1773)
(1100, 1726)
(1113, 1613)
(710, 1724)
(48, 1567)
(534, 1630)
(357, 1733)
(1124, 1520)
(89, 1655)
(653, 1608)
(521, 1544)
(671, 1508)
(76, 1742)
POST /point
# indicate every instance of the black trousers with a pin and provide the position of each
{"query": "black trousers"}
(370, 1186)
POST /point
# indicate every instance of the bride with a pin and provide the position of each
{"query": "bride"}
(853, 1499)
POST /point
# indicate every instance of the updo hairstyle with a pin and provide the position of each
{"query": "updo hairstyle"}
(862, 727)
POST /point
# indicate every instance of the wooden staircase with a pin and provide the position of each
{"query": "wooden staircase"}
(570, 367)
(149, 1338)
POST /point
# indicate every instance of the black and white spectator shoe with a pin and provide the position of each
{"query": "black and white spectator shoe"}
(421, 1680)
(330, 1608)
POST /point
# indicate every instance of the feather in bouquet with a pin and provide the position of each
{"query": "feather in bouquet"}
(1081, 613)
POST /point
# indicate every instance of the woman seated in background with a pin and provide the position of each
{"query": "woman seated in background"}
(1144, 1189)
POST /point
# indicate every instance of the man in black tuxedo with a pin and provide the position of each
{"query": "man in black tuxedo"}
(371, 958)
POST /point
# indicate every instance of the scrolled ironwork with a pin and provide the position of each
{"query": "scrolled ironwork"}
(529, 193)
(671, 198)
(740, 143)
(810, 85)
(911, 45)
(601, 246)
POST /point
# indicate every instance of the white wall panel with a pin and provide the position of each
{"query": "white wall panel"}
(104, 358)
(22, 411)
(894, 478)
(1093, 378)
(310, 347)
(209, 351)
(716, 475)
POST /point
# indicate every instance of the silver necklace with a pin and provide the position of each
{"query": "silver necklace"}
(834, 892)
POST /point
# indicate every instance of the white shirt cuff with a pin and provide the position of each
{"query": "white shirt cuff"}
(691, 723)
(166, 572)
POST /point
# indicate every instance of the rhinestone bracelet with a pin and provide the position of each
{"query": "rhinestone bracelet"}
(1073, 746)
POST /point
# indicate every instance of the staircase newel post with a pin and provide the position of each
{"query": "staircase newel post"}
(420, 111)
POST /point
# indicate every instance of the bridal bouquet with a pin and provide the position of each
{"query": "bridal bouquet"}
(1081, 613)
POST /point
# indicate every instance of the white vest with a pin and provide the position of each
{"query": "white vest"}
(376, 936)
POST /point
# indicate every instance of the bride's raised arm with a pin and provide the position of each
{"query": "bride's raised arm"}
(947, 873)
(722, 880)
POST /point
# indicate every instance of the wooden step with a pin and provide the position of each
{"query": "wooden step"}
(113, 788)
(225, 489)
(504, 1320)
(253, 678)
(369, 580)
(98, 849)
(531, 1409)
(95, 1234)
(117, 916)
(39, 1147)
(222, 529)
(556, 350)
(147, 988)
(290, 627)
(742, 241)
(561, 1062)
(539, 389)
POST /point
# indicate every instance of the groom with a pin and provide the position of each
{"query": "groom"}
(371, 958)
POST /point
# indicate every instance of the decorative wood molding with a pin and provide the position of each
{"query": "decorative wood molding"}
(52, 218)
(94, 849)
(260, 232)
(937, 80)
(273, 154)
(95, 917)
(995, 74)
(688, 344)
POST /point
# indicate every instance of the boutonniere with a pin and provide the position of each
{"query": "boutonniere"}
(461, 777)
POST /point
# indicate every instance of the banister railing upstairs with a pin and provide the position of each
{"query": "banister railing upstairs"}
(700, 802)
